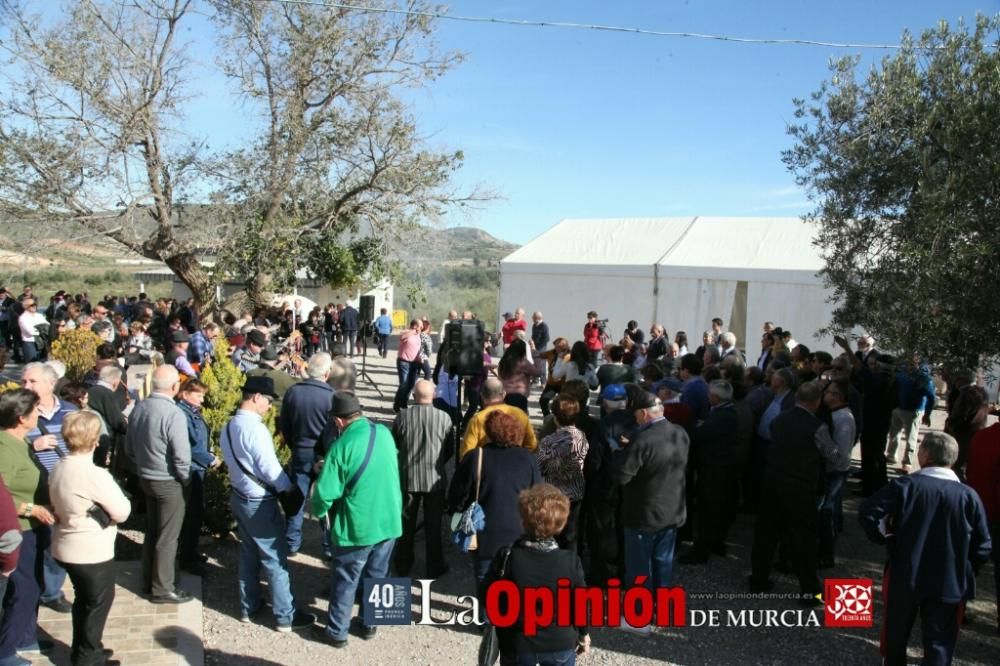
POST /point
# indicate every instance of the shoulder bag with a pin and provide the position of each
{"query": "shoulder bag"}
(473, 519)
(291, 500)
(489, 644)
(351, 482)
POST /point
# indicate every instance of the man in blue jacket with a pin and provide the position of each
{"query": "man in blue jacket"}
(305, 410)
(935, 530)
(915, 396)
(383, 326)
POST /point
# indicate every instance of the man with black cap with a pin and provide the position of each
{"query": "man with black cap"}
(651, 471)
(177, 356)
(267, 366)
(360, 480)
(256, 478)
(248, 357)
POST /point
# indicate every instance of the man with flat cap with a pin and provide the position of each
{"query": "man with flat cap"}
(268, 366)
(651, 472)
(256, 478)
(177, 356)
(360, 481)
(248, 357)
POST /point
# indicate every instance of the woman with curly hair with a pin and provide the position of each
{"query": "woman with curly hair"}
(498, 471)
(535, 561)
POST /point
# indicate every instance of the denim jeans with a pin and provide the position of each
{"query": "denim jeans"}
(383, 344)
(650, 554)
(408, 372)
(301, 463)
(53, 575)
(350, 566)
(19, 626)
(828, 509)
(263, 544)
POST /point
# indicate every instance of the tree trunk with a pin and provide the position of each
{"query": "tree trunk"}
(194, 276)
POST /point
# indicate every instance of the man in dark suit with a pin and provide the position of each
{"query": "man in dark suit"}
(305, 410)
(104, 398)
(349, 326)
(718, 463)
(788, 509)
(935, 530)
(651, 470)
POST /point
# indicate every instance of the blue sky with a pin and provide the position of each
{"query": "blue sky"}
(577, 123)
(581, 123)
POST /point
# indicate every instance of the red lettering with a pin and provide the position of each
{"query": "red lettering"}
(614, 609)
(592, 599)
(497, 616)
(538, 608)
(639, 604)
(674, 598)
(564, 605)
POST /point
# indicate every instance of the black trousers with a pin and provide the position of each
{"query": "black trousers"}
(164, 517)
(716, 502)
(517, 400)
(873, 466)
(93, 594)
(570, 536)
(792, 519)
(194, 511)
(433, 502)
(939, 624)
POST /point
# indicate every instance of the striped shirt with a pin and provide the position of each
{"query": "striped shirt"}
(423, 435)
(52, 423)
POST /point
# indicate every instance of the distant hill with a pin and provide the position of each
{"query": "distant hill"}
(458, 245)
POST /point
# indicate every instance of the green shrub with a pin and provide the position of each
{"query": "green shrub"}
(78, 350)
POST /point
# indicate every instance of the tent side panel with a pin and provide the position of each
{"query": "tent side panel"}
(801, 309)
(689, 304)
(564, 299)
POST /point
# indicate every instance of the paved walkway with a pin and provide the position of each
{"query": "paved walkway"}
(138, 631)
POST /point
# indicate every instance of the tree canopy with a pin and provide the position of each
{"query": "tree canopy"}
(903, 165)
(95, 131)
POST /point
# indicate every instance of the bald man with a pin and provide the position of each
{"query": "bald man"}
(158, 444)
(493, 398)
(425, 443)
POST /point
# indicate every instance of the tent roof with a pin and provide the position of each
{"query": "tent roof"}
(636, 241)
(770, 249)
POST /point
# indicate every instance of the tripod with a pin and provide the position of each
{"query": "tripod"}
(365, 330)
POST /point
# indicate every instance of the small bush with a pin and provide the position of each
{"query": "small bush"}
(78, 350)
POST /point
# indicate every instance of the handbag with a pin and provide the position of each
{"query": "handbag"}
(291, 500)
(473, 519)
(489, 644)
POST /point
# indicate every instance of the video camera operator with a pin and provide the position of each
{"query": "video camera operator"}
(595, 336)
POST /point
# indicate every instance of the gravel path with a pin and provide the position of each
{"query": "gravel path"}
(227, 641)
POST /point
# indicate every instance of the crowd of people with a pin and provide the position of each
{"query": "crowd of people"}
(675, 445)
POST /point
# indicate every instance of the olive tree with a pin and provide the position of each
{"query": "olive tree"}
(903, 164)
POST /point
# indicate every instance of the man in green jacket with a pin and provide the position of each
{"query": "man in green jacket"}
(360, 480)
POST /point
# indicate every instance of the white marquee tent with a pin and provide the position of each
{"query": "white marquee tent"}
(680, 272)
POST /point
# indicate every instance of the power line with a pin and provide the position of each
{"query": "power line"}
(586, 26)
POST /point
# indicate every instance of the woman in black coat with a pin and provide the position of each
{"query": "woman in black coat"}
(536, 561)
(507, 469)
